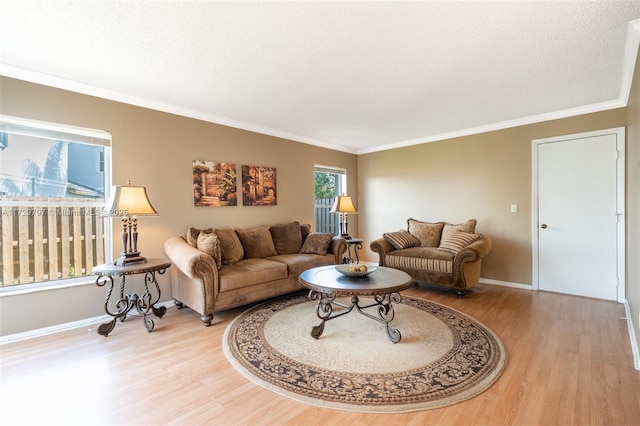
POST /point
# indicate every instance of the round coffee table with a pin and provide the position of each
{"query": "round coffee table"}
(384, 285)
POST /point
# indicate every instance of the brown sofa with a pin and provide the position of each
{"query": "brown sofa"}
(220, 269)
(437, 253)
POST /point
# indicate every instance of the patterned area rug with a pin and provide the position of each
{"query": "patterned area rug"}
(443, 357)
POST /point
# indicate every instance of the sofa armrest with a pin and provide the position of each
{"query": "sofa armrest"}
(187, 258)
(382, 247)
(338, 246)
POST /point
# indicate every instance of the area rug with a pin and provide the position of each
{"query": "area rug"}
(444, 356)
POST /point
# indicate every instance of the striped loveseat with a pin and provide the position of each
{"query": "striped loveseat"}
(436, 253)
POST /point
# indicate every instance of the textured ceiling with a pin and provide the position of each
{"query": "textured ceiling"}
(354, 76)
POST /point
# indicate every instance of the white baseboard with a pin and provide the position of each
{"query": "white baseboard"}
(506, 284)
(64, 327)
(632, 336)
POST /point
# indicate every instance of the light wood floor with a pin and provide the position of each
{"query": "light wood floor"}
(569, 362)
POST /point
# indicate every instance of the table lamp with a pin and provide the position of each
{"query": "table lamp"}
(129, 202)
(343, 206)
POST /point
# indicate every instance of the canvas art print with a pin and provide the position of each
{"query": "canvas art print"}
(259, 186)
(214, 184)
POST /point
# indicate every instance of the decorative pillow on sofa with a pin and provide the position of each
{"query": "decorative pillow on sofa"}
(457, 240)
(192, 235)
(232, 250)
(287, 238)
(317, 243)
(401, 239)
(428, 233)
(305, 230)
(209, 243)
(468, 226)
(257, 242)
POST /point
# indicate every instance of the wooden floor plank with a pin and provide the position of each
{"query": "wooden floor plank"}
(570, 362)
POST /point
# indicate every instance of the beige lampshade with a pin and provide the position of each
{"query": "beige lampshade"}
(343, 204)
(129, 200)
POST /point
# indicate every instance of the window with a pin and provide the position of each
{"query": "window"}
(52, 193)
(329, 182)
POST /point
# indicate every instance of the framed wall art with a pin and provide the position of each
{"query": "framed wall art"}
(214, 184)
(259, 186)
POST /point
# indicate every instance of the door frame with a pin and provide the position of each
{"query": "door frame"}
(620, 203)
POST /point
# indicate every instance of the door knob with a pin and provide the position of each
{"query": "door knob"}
(543, 226)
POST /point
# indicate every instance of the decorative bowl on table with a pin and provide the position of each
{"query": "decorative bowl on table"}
(355, 270)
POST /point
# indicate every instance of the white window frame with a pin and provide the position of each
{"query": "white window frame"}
(48, 130)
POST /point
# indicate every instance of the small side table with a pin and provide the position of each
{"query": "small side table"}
(353, 245)
(143, 304)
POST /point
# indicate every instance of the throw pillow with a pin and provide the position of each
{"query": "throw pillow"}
(305, 230)
(257, 242)
(457, 240)
(317, 243)
(232, 250)
(209, 243)
(192, 235)
(287, 238)
(428, 233)
(468, 226)
(401, 239)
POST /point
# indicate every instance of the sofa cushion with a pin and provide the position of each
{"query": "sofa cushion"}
(232, 250)
(468, 226)
(424, 258)
(401, 239)
(300, 262)
(428, 233)
(192, 235)
(287, 238)
(248, 272)
(457, 240)
(209, 243)
(317, 243)
(256, 242)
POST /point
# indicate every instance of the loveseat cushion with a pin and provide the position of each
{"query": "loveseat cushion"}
(425, 258)
(317, 243)
(287, 238)
(248, 272)
(256, 242)
(232, 250)
(401, 239)
(428, 233)
(300, 262)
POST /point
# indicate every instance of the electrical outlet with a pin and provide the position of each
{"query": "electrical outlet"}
(514, 208)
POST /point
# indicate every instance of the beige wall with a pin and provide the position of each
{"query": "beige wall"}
(156, 150)
(633, 201)
(477, 176)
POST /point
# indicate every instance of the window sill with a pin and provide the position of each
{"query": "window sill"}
(46, 286)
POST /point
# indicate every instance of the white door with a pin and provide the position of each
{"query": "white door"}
(578, 214)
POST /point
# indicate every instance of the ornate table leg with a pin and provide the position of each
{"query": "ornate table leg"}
(144, 304)
(325, 309)
(387, 313)
(123, 305)
(158, 311)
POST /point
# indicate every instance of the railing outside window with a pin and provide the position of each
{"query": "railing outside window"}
(49, 238)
